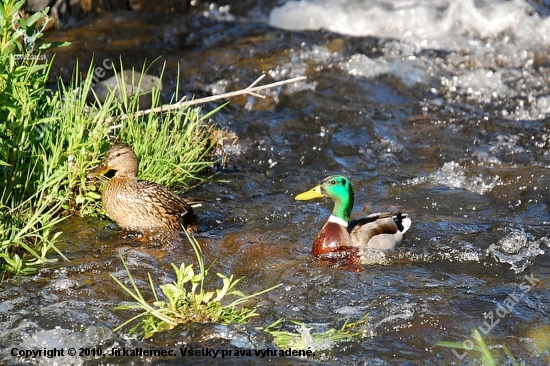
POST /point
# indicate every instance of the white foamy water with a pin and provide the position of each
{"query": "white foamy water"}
(428, 24)
(453, 175)
(517, 249)
(488, 50)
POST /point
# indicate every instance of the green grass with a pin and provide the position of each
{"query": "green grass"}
(29, 206)
(480, 348)
(186, 299)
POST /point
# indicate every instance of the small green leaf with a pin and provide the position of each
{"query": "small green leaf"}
(80, 199)
(52, 45)
(93, 195)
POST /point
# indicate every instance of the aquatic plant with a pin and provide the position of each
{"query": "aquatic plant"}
(186, 300)
(307, 337)
(487, 357)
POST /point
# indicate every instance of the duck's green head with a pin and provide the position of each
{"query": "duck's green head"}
(339, 189)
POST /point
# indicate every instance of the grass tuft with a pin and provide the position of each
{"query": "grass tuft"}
(186, 300)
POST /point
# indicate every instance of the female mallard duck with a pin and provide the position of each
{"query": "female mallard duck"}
(380, 231)
(140, 205)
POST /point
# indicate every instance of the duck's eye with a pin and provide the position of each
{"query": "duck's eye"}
(333, 182)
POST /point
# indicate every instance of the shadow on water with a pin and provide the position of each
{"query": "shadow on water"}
(476, 183)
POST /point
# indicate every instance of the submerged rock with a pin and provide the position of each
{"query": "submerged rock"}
(127, 84)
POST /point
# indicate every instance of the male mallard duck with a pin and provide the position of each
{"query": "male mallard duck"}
(380, 231)
(140, 205)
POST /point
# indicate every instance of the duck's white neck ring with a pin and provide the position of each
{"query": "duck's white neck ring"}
(338, 221)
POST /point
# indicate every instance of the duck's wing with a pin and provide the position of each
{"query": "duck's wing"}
(167, 203)
(379, 230)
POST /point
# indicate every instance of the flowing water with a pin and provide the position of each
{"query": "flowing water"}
(436, 107)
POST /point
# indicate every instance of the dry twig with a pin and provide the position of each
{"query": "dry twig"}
(250, 90)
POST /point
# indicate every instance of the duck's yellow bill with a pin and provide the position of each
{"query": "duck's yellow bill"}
(98, 170)
(311, 194)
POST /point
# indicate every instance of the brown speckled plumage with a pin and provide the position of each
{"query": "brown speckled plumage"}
(140, 205)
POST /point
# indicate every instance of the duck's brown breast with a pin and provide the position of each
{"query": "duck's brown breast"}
(331, 237)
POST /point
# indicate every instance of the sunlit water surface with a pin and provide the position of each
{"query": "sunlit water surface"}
(440, 108)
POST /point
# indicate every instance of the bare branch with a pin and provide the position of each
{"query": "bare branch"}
(183, 103)
(256, 81)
